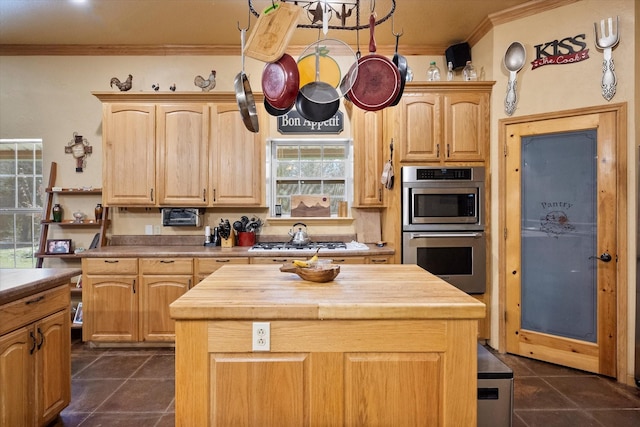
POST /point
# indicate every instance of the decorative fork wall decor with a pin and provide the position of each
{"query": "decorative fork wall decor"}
(606, 42)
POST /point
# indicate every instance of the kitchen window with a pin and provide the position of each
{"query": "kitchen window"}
(20, 201)
(309, 167)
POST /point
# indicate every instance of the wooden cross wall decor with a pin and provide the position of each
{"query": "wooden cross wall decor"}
(79, 147)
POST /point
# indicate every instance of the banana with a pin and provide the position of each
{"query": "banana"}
(314, 258)
(300, 263)
(308, 263)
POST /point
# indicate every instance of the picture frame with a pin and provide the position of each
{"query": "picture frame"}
(58, 246)
(77, 319)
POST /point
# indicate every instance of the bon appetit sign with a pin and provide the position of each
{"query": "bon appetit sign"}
(560, 52)
(294, 123)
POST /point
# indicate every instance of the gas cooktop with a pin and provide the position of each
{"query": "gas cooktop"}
(312, 246)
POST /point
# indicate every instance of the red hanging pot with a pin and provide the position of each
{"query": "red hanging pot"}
(378, 82)
(280, 82)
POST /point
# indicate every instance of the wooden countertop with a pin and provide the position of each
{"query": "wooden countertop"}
(204, 252)
(391, 291)
(22, 282)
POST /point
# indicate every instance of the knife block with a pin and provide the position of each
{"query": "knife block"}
(230, 242)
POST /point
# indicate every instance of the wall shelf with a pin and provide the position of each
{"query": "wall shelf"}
(53, 191)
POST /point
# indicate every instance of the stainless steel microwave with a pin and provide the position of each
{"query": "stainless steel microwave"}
(442, 198)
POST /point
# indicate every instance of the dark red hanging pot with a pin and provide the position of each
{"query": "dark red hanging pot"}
(280, 82)
(378, 82)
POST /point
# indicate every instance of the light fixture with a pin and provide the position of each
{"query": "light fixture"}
(343, 14)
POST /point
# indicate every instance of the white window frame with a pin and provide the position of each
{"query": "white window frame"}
(272, 165)
(35, 210)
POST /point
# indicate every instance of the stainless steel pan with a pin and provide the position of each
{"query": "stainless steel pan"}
(244, 95)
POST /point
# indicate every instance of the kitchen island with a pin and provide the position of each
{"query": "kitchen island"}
(35, 345)
(379, 345)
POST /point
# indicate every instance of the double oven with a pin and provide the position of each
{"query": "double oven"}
(443, 221)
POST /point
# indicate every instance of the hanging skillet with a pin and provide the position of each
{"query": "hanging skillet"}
(244, 96)
(273, 111)
(378, 83)
(400, 62)
(280, 82)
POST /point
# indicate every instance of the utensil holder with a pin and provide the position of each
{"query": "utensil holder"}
(246, 238)
(229, 242)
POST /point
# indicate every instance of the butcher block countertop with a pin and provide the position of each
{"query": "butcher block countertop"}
(22, 282)
(389, 291)
(138, 251)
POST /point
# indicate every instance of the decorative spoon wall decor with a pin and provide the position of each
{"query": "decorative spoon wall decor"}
(513, 61)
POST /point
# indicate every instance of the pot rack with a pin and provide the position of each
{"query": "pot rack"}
(345, 11)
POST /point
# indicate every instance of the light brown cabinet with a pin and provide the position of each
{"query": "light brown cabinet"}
(205, 266)
(444, 122)
(110, 299)
(35, 358)
(129, 163)
(237, 159)
(369, 157)
(187, 149)
(182, 142)
(162, 281)
(127, 299)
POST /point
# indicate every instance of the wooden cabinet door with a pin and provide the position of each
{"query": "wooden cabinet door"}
(380, 259)
(17, 378)
(417, 124)
(205, 266)
(466, 126)
(128, 170)
(156, 293)
(183, 151)
(386, 389)
(237, 160)
(53, 368)
(369, 159)
(110, 308)
(243, 388)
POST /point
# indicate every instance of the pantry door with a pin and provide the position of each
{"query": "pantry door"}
(561, 244)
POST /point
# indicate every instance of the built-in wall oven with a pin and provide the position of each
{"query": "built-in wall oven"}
(443, 223)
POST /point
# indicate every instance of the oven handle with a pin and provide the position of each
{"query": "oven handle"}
(422, 235)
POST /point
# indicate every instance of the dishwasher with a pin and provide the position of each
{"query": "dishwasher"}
(495, 390)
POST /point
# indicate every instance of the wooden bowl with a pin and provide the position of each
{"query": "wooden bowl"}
(321, 274)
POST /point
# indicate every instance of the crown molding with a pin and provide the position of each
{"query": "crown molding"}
(518, 12)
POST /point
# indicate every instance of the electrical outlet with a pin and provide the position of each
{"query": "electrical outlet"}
(261, 336)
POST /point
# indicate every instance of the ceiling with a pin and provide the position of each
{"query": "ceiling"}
(428, 26)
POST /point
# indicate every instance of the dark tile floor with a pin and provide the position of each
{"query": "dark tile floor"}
(120, 387)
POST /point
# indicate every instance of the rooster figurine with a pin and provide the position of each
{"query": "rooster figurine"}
(123, 86)
(208, 84)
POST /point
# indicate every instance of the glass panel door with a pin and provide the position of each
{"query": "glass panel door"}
(558, 238)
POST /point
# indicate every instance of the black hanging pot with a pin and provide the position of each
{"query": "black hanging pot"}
(326, 101)
(400, 62)
(317, 100)
(273, 111)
